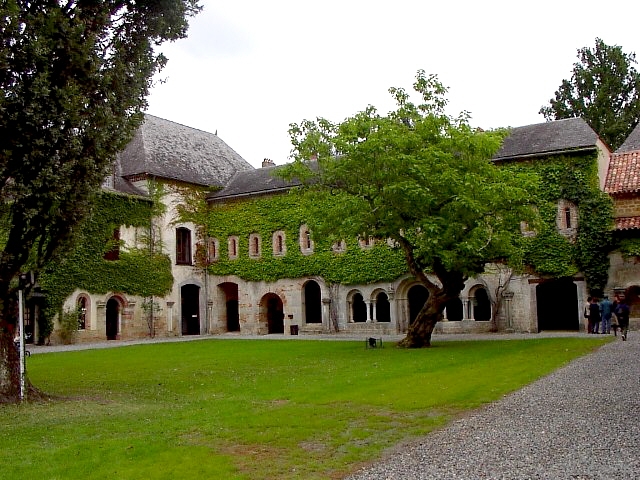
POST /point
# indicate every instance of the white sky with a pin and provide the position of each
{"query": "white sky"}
(249, 68)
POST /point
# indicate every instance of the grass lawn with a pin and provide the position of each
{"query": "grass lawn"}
(253, 409)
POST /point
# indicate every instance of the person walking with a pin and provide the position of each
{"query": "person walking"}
(594, 315)
(605, 311)
(622, 312)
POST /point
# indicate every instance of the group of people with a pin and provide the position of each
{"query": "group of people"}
(606, 315)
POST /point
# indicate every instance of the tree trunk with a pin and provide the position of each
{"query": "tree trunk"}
(420, 330)
(9, 368)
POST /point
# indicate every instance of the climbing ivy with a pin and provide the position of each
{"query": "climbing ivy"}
(285, 212)
(138, 271)
(549, 253)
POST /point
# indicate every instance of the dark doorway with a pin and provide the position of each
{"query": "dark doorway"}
(231, 303)
(418, 295)
(383, 309)
(632, 297)
(312, 302)
(359, 308)
(272, 313)
(454, 310)
(113, 313)
(557, 305)
(190, 303)
(482, 306)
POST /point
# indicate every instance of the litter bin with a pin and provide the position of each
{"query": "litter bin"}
(293, 329)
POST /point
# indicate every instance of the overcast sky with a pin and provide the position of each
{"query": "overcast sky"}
(249, 68)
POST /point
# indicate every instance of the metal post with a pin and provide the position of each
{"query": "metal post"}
(22, 359)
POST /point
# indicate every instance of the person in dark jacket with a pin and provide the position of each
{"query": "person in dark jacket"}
(622, 313)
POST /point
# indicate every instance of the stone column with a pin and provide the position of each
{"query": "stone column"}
(170, 316)
(368, 304)
(508, 296)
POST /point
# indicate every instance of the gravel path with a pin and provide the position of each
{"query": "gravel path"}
(581, 422)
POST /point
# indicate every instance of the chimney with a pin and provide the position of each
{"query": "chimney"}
(268, 163)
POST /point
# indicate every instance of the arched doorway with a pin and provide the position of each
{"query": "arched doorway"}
(312, 302)
(113, 318)
(359, 308)
(271, 313)
(190, 303)
(417, 296)
(383, 308)
(557, 305)
(481, 306)
(231, 312)
(632, 297)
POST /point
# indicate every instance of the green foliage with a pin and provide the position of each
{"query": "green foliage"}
(265, 216)
(68, 330)
(548, 253)
(136, 272)
(233, 409)
(604, 90)
(629, 247)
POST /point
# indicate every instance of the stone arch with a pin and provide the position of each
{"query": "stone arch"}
(480, 303)
(83, 306)
(358, 307)
(272, 313)
(312, 302)
(382, 306)
(113, 312)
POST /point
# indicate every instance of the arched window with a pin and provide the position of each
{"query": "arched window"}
(232, 244)
(213, 249)
(279, 245)
(366, 242)
(306, 244)
(567, 219)
(82, 307)
(359, 308)
(339, 247)
(183, 246)
(255, 245)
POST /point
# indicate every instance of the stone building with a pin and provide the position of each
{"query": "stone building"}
(227, 292)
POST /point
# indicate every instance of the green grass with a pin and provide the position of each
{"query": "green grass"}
(247, 409)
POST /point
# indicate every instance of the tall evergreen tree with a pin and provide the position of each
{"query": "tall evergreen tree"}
(604, 90)
(74, 76)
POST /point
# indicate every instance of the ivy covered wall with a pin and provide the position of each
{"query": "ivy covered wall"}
(137, 271)
(284, 212)
(549, 253)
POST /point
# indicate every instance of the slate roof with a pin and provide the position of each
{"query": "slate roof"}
(549, 138)
(624, 173)
(632, 142)
(172, 151)
(254, 182)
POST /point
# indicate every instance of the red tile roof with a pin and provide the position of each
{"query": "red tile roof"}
(627, 223)
(624, 173)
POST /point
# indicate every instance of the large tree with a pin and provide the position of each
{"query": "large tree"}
(74, 76)
(423, 181)
(604, 90)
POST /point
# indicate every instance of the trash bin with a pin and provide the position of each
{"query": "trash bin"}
(293, 329)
